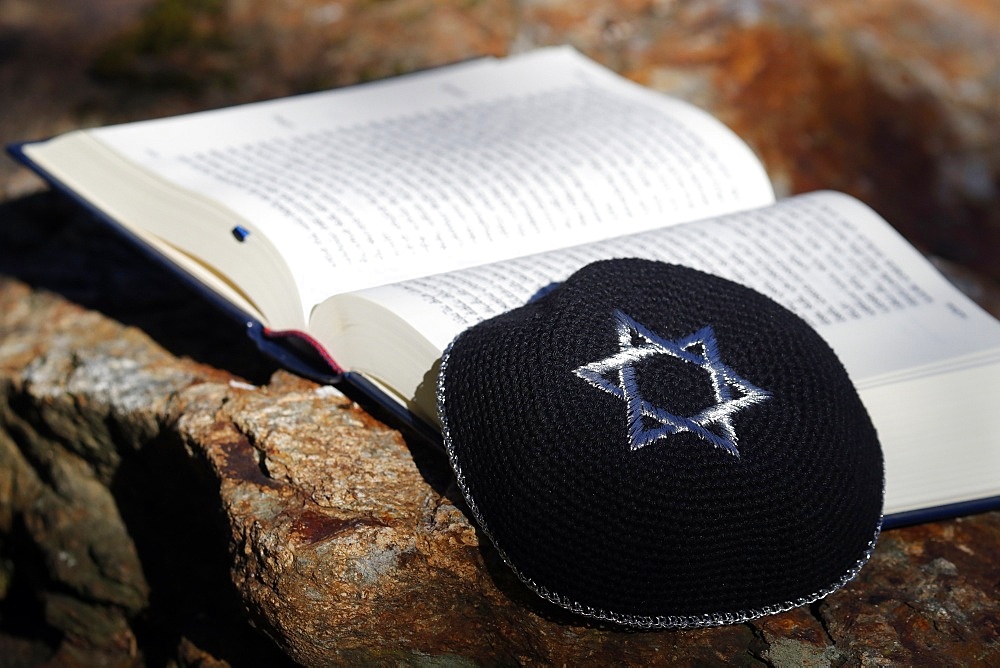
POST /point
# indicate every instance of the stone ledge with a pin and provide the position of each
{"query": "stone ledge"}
(167, 503)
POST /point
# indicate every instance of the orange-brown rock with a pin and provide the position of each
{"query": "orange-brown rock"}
(896, 102)
(153, 508)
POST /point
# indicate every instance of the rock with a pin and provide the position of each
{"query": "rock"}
(923, 599)
(342, 540)
(894, 102)
(161, 493)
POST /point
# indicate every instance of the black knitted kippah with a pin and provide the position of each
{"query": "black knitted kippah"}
(654, 446)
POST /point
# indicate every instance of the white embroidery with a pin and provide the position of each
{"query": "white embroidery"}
(636, 343)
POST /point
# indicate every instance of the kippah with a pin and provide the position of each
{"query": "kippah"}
(657, 447)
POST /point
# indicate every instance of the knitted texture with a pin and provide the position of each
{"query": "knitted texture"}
(656, 446)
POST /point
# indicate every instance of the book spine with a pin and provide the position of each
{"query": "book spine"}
(942, 512)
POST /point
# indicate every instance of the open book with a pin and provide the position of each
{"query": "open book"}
(379, 221)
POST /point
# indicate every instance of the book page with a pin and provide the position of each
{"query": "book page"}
(827, 257)
(939, 435)
(450, 168)
(182, 226)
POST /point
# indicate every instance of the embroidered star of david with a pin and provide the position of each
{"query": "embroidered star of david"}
(616, 375)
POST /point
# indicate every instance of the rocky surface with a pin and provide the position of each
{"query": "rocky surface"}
(168, 497)
(154, 507)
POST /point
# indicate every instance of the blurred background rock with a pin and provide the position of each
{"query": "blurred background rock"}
(896, 102)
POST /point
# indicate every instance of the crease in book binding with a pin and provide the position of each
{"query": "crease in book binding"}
(303, 350)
